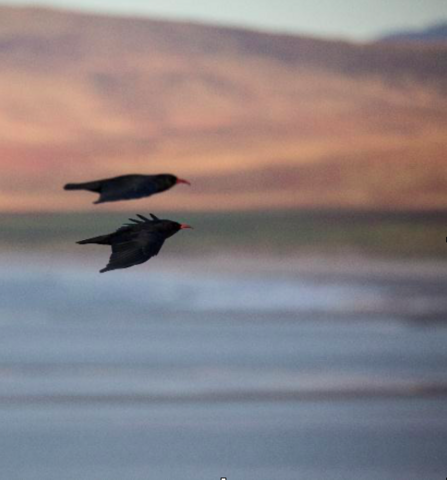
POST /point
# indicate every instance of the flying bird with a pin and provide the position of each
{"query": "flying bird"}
(136, 242)
(128, 187)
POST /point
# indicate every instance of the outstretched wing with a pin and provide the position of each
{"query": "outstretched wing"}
(135, 249)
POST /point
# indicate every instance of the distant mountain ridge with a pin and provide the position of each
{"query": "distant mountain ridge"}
(255, 120)
(433, 34)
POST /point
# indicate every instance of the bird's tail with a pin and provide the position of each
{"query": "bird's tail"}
(102, 240)
(90, 186)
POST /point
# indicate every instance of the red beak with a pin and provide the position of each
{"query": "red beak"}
(183, 226)
(181, 180)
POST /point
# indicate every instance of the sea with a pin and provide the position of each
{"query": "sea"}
(209, 368)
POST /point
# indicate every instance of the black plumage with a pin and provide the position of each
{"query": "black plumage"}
(128, 187)
(136, 242)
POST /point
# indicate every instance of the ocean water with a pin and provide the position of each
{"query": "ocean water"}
(177, 371)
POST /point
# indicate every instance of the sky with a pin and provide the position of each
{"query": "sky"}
(356, 19)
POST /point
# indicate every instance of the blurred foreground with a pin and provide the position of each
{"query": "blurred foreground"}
(198, 366)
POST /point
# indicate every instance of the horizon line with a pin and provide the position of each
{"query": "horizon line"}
(237, 25)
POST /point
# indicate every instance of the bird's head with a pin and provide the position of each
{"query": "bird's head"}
(173, 180)
(168, 227)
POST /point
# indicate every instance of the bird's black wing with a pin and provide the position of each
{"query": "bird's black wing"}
(127, 189)
(136, 249)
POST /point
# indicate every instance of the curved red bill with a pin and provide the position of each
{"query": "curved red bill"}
(183, 226)
(181, 180)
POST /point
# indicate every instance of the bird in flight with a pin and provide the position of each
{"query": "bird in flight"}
(136, 242)
(128, 187)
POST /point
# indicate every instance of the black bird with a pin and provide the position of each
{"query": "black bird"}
(128, 187)
(136, 242)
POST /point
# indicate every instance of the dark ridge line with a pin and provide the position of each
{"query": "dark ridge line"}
(416, 391)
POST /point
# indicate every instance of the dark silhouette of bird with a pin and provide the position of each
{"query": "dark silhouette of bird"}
(128, 187)
(136, 242)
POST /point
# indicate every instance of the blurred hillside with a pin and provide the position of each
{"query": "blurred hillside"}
(255, 120)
